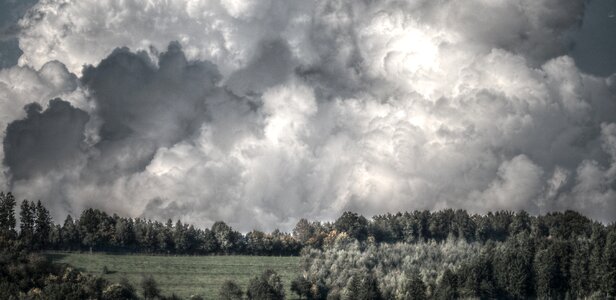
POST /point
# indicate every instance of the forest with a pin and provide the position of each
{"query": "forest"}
(447, 254)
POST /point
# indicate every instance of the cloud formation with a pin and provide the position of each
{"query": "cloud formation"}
(44, 141)
(264, 112)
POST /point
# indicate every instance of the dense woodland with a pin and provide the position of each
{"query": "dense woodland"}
(446, 254)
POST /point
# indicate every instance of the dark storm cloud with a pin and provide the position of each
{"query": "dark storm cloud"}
(142, 107)
(45, 141)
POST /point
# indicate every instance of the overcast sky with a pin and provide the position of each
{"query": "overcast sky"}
(261, 112)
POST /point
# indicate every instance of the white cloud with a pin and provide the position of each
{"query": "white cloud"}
(332, 105)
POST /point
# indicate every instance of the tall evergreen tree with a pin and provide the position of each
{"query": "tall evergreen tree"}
(580, 270)
(596, 265)
(165, 237)
(609, 258)
(124, 235)
(513, 268)
(7, 216)
(179, 237)
(414, 288)
(70, 234)
(551, 272)
(447, 287)
(26, 218)
(42, 225)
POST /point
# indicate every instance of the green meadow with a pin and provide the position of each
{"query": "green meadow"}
(183, 275)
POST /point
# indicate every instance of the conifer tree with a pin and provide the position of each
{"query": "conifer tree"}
(26, 218)
(7, 216)
(609, 259)
(42, 225)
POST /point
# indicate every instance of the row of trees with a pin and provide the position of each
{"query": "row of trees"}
(419, 226)
(96, 230)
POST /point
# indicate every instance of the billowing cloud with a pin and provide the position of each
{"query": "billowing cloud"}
(20, 86)
(141, 106)
(45, 141)
(264, 112)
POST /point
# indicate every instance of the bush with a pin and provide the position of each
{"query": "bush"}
(230, 291)
(301, 286)
(268, 286)
(118, 291)
(150, 287)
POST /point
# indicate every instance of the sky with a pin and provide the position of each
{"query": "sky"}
(262, 112)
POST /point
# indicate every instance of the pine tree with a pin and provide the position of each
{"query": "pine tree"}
(179, 237)
(124, 235)
(165, 237)
(580, 270)
(596, 265)
(42, 225)
(70, 234)
(513, 268)
(26, 228)
(415, 288)
(551, 269)
(609, 259)
(447, 286)
(7, 216)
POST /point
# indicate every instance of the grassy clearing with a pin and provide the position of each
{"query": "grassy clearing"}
(183, 275)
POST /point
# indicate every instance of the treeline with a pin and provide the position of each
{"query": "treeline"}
(95, 230)
(98, 231)
(419, 226)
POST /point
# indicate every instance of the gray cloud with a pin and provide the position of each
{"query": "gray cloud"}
(271, 65)
(142, 107)
(45, 141)
(275, 110)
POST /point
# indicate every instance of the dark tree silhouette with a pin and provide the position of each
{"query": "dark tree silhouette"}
(229, 290)
(149, 287)
(268, 286)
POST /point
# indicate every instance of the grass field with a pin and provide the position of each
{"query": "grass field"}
(183, 275)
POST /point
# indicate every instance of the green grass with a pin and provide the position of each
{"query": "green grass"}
(183, 275)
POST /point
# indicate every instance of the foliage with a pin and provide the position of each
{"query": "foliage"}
(149, 288)
(229, 290)
(520, 267)
(267, 286)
